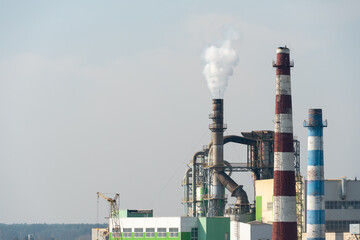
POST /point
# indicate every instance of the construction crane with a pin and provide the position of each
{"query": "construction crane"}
(114, 217)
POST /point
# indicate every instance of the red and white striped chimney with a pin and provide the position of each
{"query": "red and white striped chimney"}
(284, 203)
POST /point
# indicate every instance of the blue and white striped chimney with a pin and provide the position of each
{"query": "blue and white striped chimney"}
(315, 217)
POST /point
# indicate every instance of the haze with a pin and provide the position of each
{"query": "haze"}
(109, 96)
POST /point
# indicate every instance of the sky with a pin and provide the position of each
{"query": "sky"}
(109, 96)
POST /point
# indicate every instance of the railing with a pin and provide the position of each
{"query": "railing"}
(214, 126)
(291, 64)
(314, 124)
(215, 196)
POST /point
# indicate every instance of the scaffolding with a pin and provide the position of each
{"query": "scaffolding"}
(299, 183)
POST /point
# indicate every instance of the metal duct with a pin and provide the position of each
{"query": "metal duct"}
(236, 139)
(236, 190)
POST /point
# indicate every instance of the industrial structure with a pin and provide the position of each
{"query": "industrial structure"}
(284, 224)
(284, 207)
(114, 205)
(341, 201)
(315, 215)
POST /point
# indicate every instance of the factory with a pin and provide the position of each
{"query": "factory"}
(287, 205)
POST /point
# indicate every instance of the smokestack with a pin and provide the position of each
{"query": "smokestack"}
(217, 128)
(284, 205)
(315, 216)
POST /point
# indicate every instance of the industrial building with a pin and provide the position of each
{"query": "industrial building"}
(286, 206)
(184, 228)
(341, 199)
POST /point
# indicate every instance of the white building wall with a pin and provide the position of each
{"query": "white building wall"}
(149, 222)
(234, 230)
(244, 231)
(333, 190)
(250, 231)
(184, 224)
(261, 232)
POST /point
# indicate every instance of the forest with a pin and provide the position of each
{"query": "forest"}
(47, 231)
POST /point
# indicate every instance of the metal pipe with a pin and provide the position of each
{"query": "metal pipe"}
(284, 205)
(186, 184)
(235, 139)
(236, 190)
(343, 188)
(315, 216)
(220, 178)
(217, 128)
(200, 153)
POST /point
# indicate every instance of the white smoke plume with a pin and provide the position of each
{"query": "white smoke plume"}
(219, 64)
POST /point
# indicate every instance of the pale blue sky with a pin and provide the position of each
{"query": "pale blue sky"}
(109, 96)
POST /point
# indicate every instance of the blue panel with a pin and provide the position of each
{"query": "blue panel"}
(315, 158)
(315, 187)
(315, 217)
(315, 131)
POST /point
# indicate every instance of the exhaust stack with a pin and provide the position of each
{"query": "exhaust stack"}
(315, 216)
(284, 205)
(217, 128)
(220, 178)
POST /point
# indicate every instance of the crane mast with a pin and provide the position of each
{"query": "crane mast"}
(114, 215)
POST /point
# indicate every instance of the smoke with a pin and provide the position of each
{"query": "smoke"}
(219, 64)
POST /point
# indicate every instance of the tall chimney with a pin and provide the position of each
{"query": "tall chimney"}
(284, 203)
(315, 217)
(217, 128)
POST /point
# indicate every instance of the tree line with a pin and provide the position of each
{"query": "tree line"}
(47, 231)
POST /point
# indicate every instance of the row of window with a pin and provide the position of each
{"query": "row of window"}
(149, 233)
(339, 226)
(342, 204)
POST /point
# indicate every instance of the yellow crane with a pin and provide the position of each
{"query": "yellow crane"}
(114, 217)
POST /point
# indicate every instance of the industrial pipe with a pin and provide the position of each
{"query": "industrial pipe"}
(236, 190)
(220, 178)
(200, 153)
(235, 139)
(343, 188)
(217, 128)
(315, 217)
(284, 205)
(186, 184)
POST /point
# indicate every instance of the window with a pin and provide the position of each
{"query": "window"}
(161, 232)
(194, 234)
(150, 232)
(269, 206)
(342, 204)
(173, 232)
(339, 226)
(127, 232)
(116, 233)
(138, 232)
